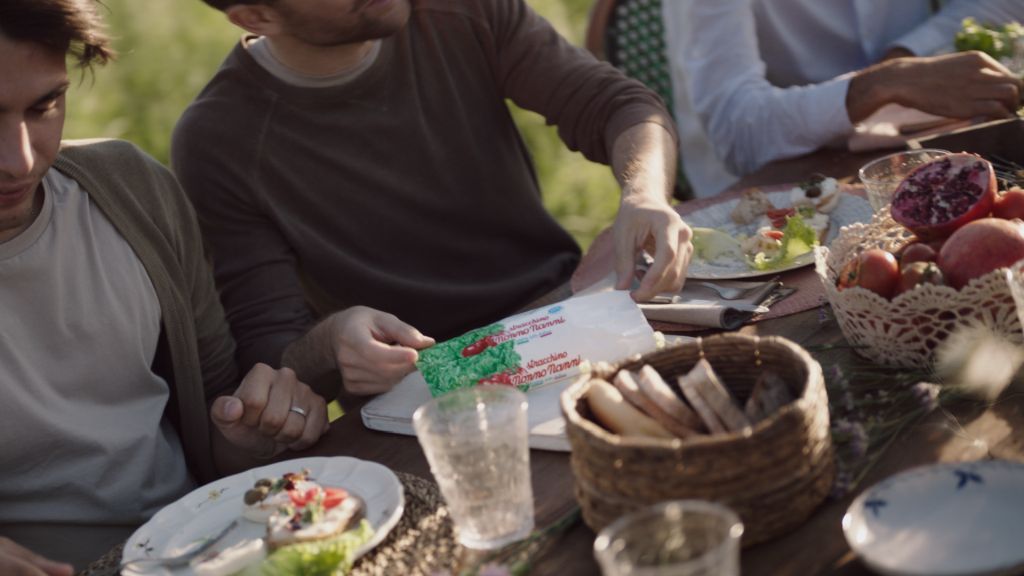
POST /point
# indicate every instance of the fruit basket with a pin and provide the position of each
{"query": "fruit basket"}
(906, 330)
(772, 474)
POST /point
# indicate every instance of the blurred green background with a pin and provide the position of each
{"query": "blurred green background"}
(170, 48)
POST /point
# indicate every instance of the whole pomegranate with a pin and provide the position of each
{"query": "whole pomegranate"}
(944, 194)
(915, 274)
(916, 252)
(1009, 204)
(980, 247)
(875, 270)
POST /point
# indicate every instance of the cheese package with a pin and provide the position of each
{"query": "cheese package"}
(550, 344)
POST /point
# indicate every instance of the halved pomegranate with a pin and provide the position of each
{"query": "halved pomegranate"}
(979, 248)
(944, 194)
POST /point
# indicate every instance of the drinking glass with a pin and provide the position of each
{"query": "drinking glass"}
(475, 440)
(677, 538)
(881, 177)
(1016, 60)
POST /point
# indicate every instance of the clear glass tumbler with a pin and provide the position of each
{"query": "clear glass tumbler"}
(677, 538)
(475, 440)
(882, 176)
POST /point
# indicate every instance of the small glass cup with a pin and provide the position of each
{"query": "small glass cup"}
(1015, 63)
(677, 538)
(476, 443)
(881, 177)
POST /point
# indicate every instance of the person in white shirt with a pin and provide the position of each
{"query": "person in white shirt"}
(756, 81)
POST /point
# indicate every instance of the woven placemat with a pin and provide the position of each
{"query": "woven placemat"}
(423, 542)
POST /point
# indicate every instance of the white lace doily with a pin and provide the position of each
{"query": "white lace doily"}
(906, 330)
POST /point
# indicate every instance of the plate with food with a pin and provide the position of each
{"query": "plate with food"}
(318, 514)
(943, 519)
(770, 230)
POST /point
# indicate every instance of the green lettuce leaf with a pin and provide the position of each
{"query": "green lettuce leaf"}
(797, 239)
(331, 557)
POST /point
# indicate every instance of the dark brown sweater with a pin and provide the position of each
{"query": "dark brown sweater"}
(409, 189)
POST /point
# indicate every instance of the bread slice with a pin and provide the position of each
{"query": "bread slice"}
(654, 387)
(689, 389)
(753, 204)
(769, 394)
(287, 528)
(627, 385)
(706, 383)
(619, 416)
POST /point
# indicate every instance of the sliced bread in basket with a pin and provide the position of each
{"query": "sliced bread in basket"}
(773, 472)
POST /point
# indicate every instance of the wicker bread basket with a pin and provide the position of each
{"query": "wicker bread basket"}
(772, 474)
(906, 330)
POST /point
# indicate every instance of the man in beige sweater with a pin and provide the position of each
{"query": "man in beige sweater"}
(361, 153)
(118, 386)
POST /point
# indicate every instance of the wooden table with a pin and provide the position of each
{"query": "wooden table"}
(816, 547)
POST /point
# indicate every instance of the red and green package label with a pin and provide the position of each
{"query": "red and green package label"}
(539, 347)
(472, 358)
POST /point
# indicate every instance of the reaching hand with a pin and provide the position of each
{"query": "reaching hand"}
(269, 411)
(374, 349)
(16, 560)
(648, 223)
(959, 85)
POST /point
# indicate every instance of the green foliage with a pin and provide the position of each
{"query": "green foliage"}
(170, 48)
(995, 40)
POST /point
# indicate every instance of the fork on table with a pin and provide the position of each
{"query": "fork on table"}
(726, 290)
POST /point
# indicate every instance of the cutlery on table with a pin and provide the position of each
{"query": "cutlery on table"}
(725, 290)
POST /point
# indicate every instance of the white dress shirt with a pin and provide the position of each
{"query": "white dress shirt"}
(761, 80)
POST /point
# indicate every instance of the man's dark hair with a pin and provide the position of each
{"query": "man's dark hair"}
(225, 4)
(71, 26)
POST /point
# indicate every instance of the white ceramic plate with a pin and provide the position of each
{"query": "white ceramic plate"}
(204, 511)
(941, 520)
(850, 209)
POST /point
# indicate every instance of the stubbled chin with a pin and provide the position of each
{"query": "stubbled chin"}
(15, 219)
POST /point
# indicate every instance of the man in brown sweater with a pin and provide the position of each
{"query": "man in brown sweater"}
(361, 153)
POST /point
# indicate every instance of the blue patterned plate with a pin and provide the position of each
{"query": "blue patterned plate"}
(945, 519)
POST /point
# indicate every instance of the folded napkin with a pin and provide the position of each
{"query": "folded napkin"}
(698, 304)
(892, 125)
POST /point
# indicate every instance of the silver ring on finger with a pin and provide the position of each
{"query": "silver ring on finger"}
(298, 411)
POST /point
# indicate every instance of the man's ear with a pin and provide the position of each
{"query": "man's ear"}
(259, 19)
